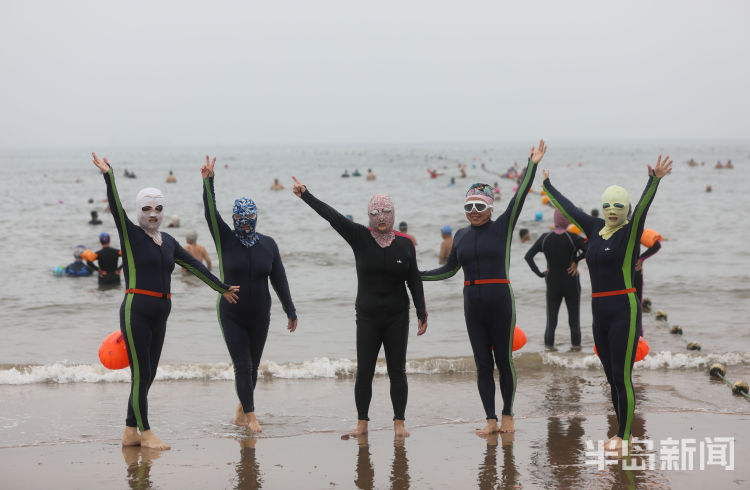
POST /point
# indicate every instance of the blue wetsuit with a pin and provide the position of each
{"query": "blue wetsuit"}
(143, 317)
(560, 251)
(382, 305)
(244, 325)
(616, 317)
(489, 308)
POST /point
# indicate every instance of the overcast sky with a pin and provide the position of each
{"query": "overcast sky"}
(98, 73)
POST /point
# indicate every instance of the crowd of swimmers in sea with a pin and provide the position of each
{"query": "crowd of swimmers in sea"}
(608, 238)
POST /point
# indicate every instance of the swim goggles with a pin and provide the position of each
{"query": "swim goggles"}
(617, 205)
(239, 217)
(479, 189)
(478, 206)
(375, 212)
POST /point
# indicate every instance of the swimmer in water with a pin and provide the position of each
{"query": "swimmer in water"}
(370, 175)
(249, 259)
(403, 228)
(171, 179)
(277, 186)
(482, 249)
(78, 268)
(446, 245)
(386, 264)
(148, 261)
(107, 257)
(524, 235)
(197, 251)
(95, 218)
(611, 257)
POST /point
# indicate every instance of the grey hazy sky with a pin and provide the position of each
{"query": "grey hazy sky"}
(345, 71)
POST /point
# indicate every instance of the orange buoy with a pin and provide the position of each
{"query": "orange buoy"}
(574, 229)
(543, 192)
(89, 255)
(519, 338)
(640, 352)
(113, 353)
(545, 200)
(649, 237)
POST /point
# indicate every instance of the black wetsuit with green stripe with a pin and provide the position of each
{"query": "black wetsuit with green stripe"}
(244, 325)
(616, 318)
(143, 319)
(484, 253)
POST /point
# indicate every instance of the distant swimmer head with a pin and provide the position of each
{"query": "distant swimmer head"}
(78, 251)
(382, 217)
(192, 236)
(245, 219)
(561, 222)
(403, 227)
(104, 238)
(150, 203)
(615, 207)
(94, 215)
(446, 230)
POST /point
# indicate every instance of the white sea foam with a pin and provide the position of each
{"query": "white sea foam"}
(323, 367)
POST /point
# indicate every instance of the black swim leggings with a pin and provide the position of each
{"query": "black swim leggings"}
(392, 333)
(143, 323)
(617, 328)
(569, 288)
(245, 339)
(490, 318)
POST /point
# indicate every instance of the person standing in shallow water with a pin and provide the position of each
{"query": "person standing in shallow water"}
(385, 263)
(148, 259)
(483, 251)
(249, 259)
(611, 257)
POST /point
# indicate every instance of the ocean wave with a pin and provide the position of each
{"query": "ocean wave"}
(325, 368)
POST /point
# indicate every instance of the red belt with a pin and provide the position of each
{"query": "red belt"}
(487, 281)
(149, 293)
(612, 293)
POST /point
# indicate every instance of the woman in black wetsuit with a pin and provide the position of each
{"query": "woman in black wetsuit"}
(148, 259)
(385, 261)
(611, 257)
(249, 259)
(563, 250)
(483, 251)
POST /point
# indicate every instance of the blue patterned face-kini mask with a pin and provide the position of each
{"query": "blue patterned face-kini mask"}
(245, 214)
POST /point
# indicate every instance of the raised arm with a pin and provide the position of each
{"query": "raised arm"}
(655, 175)
(451, 266)
(535, 249)
(585, 222)
(281, 286)
(513, 211)
(113, 197)
(414, 283)
(183, 258)
(343, 225)
(216, 226)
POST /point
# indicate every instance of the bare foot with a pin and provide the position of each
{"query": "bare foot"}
(252, 422)
(399, 429)
(239, 417)
(359, 431)
(131, 437)
(149, 439)
(490, 428)
(506, 424)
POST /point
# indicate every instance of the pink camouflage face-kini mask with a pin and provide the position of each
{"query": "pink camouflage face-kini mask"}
(380, 211)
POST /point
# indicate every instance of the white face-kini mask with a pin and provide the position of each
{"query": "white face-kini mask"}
(153, 197)
(615, 204)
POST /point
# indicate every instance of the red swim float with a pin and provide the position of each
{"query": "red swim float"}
(519, 338)
(640, 352)
(113, 353)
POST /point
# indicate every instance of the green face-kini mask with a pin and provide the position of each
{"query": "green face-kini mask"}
(615, 207)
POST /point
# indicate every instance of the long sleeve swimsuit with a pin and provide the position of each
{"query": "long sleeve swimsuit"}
(143, 318)
(615, 308)
(560, 251)
(244, 324)
(489, 307)
(382, 305)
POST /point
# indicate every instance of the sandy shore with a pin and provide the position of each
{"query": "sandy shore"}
(544, 452)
